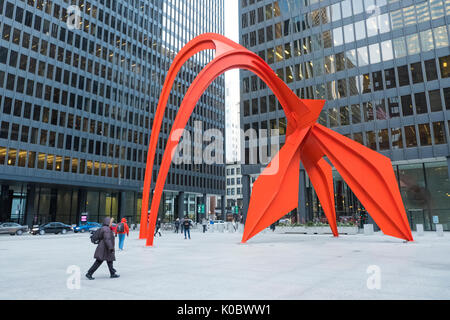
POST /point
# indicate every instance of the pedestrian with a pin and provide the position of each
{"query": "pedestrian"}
(158, 227)
(182, 225)
(204, 224)
(187, 224)
(272, 227)
(177, 225)
(121, 230)
(105, 249)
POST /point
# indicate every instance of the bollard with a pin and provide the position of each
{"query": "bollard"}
(419, 228)
(440, 230)
(368, 229)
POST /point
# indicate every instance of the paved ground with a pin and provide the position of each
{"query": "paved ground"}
(217, 266)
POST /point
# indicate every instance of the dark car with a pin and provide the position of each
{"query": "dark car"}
(52, 227)
(13, 228)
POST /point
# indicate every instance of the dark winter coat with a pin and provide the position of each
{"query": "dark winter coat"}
(105, 248)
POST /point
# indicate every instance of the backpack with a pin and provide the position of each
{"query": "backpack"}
(121, 227)
(95, 237)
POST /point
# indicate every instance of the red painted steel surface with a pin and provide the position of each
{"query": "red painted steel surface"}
(275, 192)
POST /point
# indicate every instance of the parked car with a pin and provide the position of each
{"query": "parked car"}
(113, 227)
(52, 227)
(13, 228)
(86, 227)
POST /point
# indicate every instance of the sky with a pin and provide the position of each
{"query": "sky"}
(232, 87)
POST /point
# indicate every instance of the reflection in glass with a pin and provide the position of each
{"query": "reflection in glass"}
(368, 111)
(438, 185)
(421, 102)
(370, 139)
(348, 33)
(351, 59)
(424, 134)
(426, 40)
(397, 138)
(383, 139)
(337, 36)
(360, 30)
(435, 100)
(363, 57)
(399, 47)
(410, 136)
(412, 42)
(383, 23)
(374, 51)
(336, 12)
(333, 116)
(358, 137)
(407, 106)
(386, 49)
(441, 37)
(423, 14)
(356, 114)
(439, 133)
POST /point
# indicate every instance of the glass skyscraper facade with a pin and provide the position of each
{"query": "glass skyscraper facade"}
(78, 90)
(384, 68)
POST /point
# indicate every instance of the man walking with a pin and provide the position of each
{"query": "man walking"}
(105, 249)
(177, 225)
(121, 230)
(187, 227)
(182, 225)
(204, 224)
(158, 227)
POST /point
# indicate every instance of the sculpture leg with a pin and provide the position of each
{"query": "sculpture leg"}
(321, 176)
(274, 195)
(370, 176)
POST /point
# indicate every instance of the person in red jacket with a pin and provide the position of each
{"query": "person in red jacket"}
(122, 229)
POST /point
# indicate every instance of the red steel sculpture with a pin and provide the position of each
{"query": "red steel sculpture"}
(368, 173)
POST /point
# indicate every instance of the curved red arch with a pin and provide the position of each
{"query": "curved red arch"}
(273, 195)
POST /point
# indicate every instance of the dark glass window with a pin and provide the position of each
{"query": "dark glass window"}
(410, 136)
(407, 106)
(425, 134)
(447, 98)
(444, 64)
(439, 132)
(430, 70)
(435, 100)
(416, 72)
(421, 103)
(403, 77)
(389, 74)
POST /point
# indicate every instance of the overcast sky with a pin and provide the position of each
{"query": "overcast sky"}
(232, 32)
(232, 19)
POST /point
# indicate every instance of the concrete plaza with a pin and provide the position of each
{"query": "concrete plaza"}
(217, 266)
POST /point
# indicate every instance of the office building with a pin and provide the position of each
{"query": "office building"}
(78, 91)
(384, 68)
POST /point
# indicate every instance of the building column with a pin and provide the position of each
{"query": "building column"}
(82, 198)
(122, 205)
(29, 207)
(301, 212)
(448, 166)
(5, 204)
(246, 192)
(205, 198)
(222, 208)
(180, 201)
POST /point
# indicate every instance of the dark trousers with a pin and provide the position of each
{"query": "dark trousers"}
(98, 263)
(176, 229)
(188, 232)
(157, 231)
(204, 228)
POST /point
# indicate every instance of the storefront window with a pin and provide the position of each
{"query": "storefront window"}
(438, 186)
